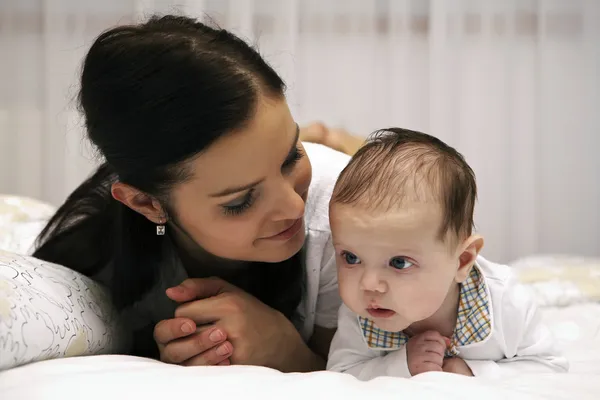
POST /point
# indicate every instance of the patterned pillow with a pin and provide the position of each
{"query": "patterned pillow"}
(49, 311)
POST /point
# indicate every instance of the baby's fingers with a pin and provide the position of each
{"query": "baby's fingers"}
(433, 358)
(432, 366)
(426, 366)
(436, 348)
(434, 336)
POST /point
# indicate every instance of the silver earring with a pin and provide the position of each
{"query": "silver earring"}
(160, 228)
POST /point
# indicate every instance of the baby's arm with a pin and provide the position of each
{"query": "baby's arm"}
(530, 347)
(349, 353)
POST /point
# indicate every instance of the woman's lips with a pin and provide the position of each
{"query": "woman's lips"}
(289, 232)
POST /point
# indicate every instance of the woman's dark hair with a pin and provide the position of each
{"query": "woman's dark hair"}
(153, 96)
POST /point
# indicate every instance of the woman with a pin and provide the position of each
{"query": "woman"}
(204, 176)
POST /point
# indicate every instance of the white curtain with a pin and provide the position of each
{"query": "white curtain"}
(513, 84)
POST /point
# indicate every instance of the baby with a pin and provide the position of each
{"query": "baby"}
(417, 295)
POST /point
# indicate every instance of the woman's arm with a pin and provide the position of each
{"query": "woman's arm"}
(305, 359)
(314, 356)
(321, 341)
(337, 139)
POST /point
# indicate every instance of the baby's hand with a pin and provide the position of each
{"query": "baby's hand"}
(425, 352)
(456, 365)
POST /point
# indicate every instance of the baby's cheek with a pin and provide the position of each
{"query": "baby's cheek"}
(430, 300)
(413, 302)
(348, 286)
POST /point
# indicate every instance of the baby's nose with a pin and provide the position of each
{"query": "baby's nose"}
(372, 283)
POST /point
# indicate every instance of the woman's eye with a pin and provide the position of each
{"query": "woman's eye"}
(350, 258)
(400, 263)
(292, 159)
(238, 206)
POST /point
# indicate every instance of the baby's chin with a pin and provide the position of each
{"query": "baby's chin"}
(393, 324)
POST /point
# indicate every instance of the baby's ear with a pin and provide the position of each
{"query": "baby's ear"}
(469, 250)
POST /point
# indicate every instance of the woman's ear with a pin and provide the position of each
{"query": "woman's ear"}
(469, 250)
(138, 201)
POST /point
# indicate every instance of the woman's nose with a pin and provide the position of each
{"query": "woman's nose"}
(290, 204)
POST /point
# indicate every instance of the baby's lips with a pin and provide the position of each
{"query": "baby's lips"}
(448, 342)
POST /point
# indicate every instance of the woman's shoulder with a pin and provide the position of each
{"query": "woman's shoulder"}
(326, 167)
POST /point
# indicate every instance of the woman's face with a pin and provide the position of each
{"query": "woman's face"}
(245, 200)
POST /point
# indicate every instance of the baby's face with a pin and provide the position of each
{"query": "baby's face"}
(392, 267)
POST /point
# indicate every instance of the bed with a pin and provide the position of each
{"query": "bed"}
(41, 301)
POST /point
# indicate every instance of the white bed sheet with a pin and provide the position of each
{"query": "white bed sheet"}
(108, 377)
(577, 328)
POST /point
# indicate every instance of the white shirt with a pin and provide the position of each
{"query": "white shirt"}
(517, 342)
(320, 301)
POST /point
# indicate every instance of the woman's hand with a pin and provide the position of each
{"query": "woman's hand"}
(257, 334)
(180, 342)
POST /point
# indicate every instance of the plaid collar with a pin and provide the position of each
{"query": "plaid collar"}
(473, 324)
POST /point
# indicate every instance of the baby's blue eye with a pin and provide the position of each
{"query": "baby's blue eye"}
(350, 258)
(400, 263)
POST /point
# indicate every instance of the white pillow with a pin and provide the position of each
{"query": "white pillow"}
(49, 311)
(21, 220)
(560, 280)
